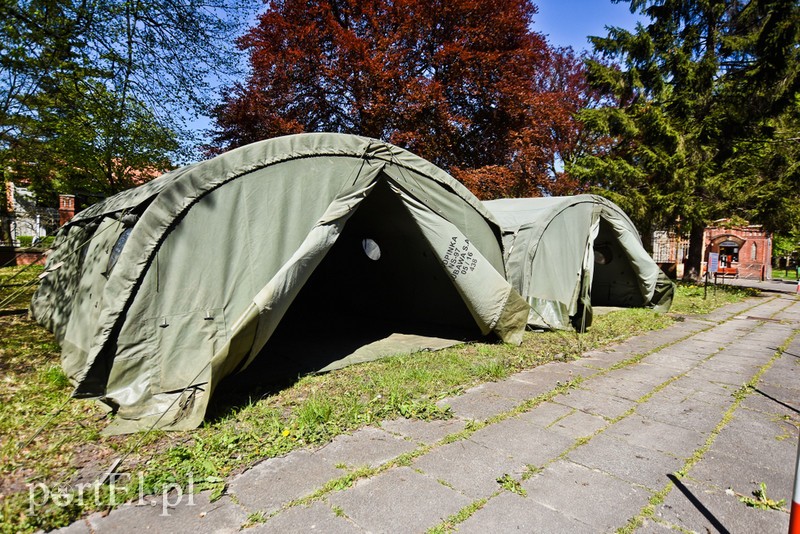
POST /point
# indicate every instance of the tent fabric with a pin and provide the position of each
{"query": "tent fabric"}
(567, 254)
(158, 293)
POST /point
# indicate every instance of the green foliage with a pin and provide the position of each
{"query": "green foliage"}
(701, 102)
(430, 80)
(97, 94)
(510, 484)
(784, 245)
(761, 501)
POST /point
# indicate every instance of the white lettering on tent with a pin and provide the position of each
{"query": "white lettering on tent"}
(460, 258)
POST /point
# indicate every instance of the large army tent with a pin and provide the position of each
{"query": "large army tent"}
(566, 254)
(159, 292)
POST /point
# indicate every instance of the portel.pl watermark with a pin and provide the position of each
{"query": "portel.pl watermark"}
(106, 493)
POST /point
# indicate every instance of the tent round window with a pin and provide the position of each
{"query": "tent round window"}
(371, 249)
(603, 254)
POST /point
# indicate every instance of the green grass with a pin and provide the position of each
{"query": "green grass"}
(69, 449)
(696, 299)
(784, 274)
(17, 285)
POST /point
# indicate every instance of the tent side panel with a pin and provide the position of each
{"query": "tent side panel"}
(52, 303)
(208, 270)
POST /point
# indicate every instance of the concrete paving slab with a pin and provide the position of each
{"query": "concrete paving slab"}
(651, 341)
(700, 508)
(510, 512)
(744, 365)
(720, 391)
(775, 400)
(526, 443)
(687, 412)
(638, 465)
(598, 360)
(518, 390)
(700, 345)
(555, 373)
(749, 433)
(788, 377)
(177, 514)
(78, 527)
(679, 358)
(577, 425)
(723, 471)
(617, 384)
(274, 482)
(636, 373)
(753, 345)
(647, 373)
(318, 517)
(478, 404)
(721, 377)
(650, 526)
(658, 436)
(399, 499)
(368, 446)
(595, 402)
(426, 432)
(587, 495)
(469, 467)
(547, 413)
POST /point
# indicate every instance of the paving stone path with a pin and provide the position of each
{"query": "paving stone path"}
(663, 432)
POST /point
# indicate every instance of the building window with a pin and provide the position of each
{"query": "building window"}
(754, 252)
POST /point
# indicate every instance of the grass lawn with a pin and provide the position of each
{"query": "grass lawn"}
(48, 440)
(784, 274)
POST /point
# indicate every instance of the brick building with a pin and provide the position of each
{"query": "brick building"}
(744, 251)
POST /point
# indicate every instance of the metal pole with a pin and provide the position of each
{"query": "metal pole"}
(794, 514)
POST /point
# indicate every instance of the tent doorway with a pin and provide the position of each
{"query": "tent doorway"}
(380, 290)
(614, 282)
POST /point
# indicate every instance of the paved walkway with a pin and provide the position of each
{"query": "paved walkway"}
(655, 433)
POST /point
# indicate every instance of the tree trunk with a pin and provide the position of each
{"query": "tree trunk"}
(5, 222)
(691, 269)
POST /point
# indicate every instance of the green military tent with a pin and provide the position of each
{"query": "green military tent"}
(263, 255)
(567, 254)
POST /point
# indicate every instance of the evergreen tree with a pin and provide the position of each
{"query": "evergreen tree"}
(695, 100)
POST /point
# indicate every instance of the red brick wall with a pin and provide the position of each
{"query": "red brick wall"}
(754, 263)
(66, 208)
(14, 256)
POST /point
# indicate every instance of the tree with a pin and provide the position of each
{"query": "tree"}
(95, 90)
(694, 100)
(459, 82)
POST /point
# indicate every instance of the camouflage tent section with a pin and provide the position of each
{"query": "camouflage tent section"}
(567, 254)
(259, 259)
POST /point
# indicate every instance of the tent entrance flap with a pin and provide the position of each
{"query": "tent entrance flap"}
(380, 290)
(614, 282)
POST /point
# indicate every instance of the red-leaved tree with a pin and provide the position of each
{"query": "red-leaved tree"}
(465, 84)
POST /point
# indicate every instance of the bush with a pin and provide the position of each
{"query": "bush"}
(25, 241)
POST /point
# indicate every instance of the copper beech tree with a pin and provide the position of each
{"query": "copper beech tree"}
(465, 84)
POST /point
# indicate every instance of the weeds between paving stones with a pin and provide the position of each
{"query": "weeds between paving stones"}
(759, 499)
(508, 483)
(70, 450)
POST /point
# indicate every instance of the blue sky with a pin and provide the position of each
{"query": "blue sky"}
(569, 22)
